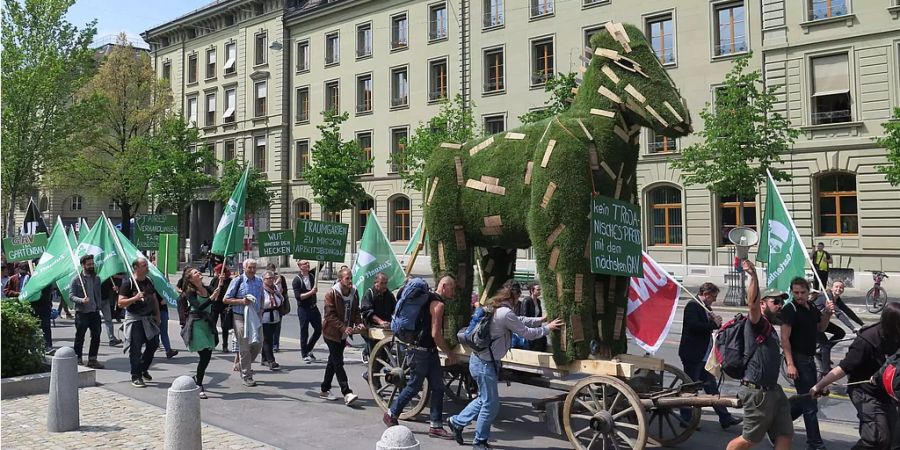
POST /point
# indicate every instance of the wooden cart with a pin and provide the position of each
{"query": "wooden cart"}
(627, 402)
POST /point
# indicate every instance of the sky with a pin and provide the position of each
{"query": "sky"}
(131, 16)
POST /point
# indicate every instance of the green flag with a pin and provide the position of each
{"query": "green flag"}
(107, 259)
(83, 228)
(376, 255)
(414, 240)
(229, 236)
(73, 239)
(780, 245)
(159, 280)
(54, 263)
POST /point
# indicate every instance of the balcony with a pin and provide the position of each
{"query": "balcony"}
(493, 19)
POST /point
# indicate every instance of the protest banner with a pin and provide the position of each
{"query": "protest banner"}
(275, 243)
(615, 237)
(320, 241)
(148, 227)
(24, 247)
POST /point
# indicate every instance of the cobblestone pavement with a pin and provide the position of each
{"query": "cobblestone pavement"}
(108, 420)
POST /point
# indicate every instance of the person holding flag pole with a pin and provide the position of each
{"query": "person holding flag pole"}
(87, 298)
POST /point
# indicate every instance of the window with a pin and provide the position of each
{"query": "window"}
(437, 22)
(493, 70)
(595, 2)
(230, 103)
(398, 143)
(44, 203)
(493, 13)
(210, 119)
(113, 205)
(831, 89)
(192, 68)
(364, 40)
(303, 104)
(302, 210)
(332, 48)
(167, 71)
(399, 32)
(365, 143)
(731, 36)
(302, 158)
(363, 209)
(589, 34)
(661, 144)
(665, 216)
(260, 93)
(837, 204)
(227, 151)
(191, 112)
(541, 8)
(541, 61)
(823, 9)
(331, 216)
(211, 63)
(400, 218)
(259, 153)
(661, 31)
(399, 87)
(735, 211)
(260, 49)
(302, 56)
(364, 93)
(332, 96)
(76, 203)
(230, 66)
(437, 79)
(494, 124)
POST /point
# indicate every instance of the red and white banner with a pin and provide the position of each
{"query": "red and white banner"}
(652, 301)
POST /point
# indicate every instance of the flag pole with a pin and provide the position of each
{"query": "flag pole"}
(415, 253)
(121, 251)
(75, 264)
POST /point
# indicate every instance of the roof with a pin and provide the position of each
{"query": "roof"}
(201, 10)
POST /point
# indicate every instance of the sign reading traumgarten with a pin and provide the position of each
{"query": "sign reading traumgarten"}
(320, 241)
(615, 237)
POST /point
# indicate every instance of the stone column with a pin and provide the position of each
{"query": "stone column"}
(183, 415)
(217, 214)
(62, 411)
(194, 232)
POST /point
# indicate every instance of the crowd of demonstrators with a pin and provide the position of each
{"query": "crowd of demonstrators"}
(85, 292)
(142, 321)
(110, 292)
(272, 307)
(281, 284)
(342, 320)
(43, 310)
(377, 308)
(221, 312)
(821, 261)
(16, 280)
(698, 324)
(833, 332)
(196, 315)
(244, 295)
(164, 327)
(305, 291)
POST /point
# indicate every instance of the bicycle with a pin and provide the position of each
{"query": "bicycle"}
(876, 297)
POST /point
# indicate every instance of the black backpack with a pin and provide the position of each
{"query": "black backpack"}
(729, 348)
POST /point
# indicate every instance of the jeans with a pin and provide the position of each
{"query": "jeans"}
(83, 323)
(697, 372)
(309, 315)
(808, 407)
(486, 406)
(335, 367)
(42, 310)
(276, 337)
(269, 329)
(248, 351)
(164, 329)
(106, 308)
(140, 362)
(878, 420)
(825, 346)
(423, 364)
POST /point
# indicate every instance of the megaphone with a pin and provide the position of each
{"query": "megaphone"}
(743, 238)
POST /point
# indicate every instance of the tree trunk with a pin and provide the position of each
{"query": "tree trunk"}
(11, 214)
(126, 220)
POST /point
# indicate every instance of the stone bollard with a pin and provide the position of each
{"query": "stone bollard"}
(397, 437)
(183, 415)
(62, 410)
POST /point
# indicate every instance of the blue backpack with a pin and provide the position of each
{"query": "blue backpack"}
(477, 335)
(408, 314)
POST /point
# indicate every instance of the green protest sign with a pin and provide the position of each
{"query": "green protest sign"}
(148, 227)
(615, 237)
(320, 241)
(275, 243)
(167, 259)
(24, 247)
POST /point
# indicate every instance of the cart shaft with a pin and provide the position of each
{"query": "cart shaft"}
(692, 401)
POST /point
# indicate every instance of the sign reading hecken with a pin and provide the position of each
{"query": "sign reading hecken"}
(148, 227)
(275, 243)
(320, 241)
(24, 247)
(615, 237)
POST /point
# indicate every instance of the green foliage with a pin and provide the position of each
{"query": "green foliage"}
(561, 96)
(336, 166)
(891, 142)
(743, 137)
(22, 350)
(454, 123)
(259, 194)
(45, 61)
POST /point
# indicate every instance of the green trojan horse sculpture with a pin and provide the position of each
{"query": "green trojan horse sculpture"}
(532, 187)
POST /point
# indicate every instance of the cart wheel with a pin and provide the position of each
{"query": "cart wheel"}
(604, 412)
(388, 375)
(665, 427)
(459, 385)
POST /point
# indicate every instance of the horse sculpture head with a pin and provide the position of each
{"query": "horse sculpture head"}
(625, 74)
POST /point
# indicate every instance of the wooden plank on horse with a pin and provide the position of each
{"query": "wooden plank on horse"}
(460, 233)
(603, 113)
(442, 261)
(528, 169)
(555, 233)
(620, 316)
(493, 189)
(475, 184)
(656, 115)
(515, 136)
(433, 189)
(584, 128)
(610, 74)
(579, 289)
(554, 257)
(604, 91)
(577, 329)
(490, 180)
(548, 194)
(559, 287)
(492, 231)
(451, 145)
(459, 170)
(547, 152)
(493, 221)
(635, 93)
(483, 145)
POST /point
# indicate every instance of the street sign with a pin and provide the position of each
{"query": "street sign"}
(24, 247)
(167, 259)
(320, 241)
(615, 237)
(275, 243)
(148, 227)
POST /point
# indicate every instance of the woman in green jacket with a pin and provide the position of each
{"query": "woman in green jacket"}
(197, 328)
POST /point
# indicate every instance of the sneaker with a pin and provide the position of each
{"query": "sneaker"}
(274, 366)
(249, 382)
(457, 431)
(730, 422)
(138, 383)
(94, 364)
(171, 354)
(327, 395)
(350, 398)
(225, 349)
(440, 433)
(389, 421)
(202, 394)
(80, 362)
(483, 445)
(115, 342)
(312, 356)
(307, 359)
(146, 376)
(365, 376)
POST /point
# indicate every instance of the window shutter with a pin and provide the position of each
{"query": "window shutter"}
(831, 75)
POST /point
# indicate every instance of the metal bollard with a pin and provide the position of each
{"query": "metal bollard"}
(183, 415)
(397, 437)
(62, 410)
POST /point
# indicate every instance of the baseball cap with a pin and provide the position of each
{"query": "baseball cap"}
(774, 293)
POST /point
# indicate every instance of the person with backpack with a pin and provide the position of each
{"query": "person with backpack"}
(377, 307)
(698, 324)
(281, 285)
(766, 408)
(342, 319)
(197, 329)
(419, 325)
(244, 294)
(305, 292)
(873, 347)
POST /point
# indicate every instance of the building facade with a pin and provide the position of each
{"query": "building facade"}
(388, 63)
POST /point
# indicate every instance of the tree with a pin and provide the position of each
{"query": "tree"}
(743, 137)
(453, 123)
(891, 142)
(561, 96)
(259, 196)
(130, 103)
(45, 61)
(336, 167)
